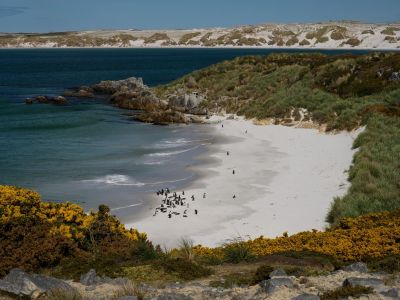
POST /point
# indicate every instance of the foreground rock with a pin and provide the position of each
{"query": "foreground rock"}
(94, 287)
(21, 284)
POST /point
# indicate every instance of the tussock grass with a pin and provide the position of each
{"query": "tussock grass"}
(375, 172)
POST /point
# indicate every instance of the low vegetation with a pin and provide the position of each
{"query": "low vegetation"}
(367, 237)
(36, 234)
(345, 292)
(374, 174)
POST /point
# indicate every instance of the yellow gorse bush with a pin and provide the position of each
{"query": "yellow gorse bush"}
(35, 233)
(370, 236)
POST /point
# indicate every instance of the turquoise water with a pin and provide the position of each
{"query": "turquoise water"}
(89, 152)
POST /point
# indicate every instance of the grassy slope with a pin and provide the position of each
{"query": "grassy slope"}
(342, 92)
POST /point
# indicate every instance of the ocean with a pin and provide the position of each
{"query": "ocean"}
(89, 152)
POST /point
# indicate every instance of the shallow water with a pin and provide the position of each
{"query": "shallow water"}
(90, 152)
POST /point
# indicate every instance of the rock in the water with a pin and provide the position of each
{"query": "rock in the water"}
(83, 92)
(392, 293)
(19, 283)
(28, 101)
(278, 273)
(59, 100)
(51, 100)
(306, 297)
(173, 296)
(375, 283)
(357, 267)
(271, 285)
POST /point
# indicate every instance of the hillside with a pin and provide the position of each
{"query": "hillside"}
(321, 35)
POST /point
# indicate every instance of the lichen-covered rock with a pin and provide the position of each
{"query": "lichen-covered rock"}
(375, 283)
(89, 278)
(357, 267)
(278, 273)
(392, 293)
(271, 285)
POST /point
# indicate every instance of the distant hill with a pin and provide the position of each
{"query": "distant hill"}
(346, 35)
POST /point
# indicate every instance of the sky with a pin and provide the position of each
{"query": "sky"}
(69, 15)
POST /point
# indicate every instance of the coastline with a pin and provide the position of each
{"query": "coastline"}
(394, 49)
(285, 180)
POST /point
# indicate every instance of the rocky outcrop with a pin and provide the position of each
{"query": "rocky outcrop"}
(21, 284)
(58, 100)
(82, 92)
(133, 94)
(110, 87)
(186, 101)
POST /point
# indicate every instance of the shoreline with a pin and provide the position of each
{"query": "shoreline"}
(285, 180)
(217, 47)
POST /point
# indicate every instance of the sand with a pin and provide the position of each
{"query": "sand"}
(285, 180)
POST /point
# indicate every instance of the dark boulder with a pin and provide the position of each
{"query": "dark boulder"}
(22, 284)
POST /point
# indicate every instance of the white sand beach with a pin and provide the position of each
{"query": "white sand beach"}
(285, 180)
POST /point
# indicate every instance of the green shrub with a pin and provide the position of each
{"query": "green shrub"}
(389, 264)
(185, 269)
(262, 273)
(236, 251)
(345, 292)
